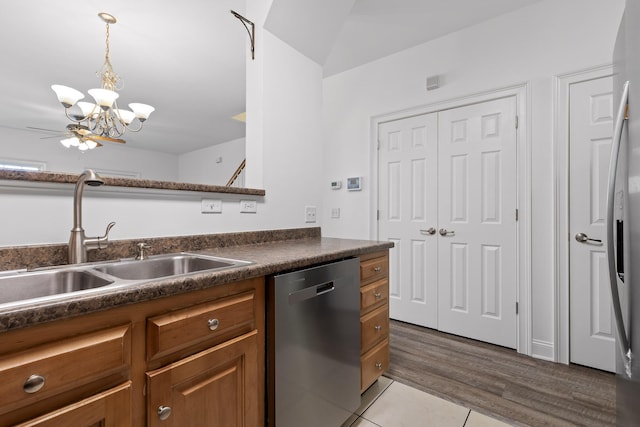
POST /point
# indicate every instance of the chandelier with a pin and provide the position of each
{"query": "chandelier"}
(102, 120)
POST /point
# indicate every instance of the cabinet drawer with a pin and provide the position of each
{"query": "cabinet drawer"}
(205, 323)
(374, 269)
(111, 408)
(373, 364)
(50, 369)
(374, 294)
(374, 327)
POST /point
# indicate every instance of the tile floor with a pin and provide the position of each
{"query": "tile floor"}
(391, 404)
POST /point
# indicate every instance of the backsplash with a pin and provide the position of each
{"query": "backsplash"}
(35, 256)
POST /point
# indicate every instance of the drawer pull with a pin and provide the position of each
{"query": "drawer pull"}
(33, 384)
(378, 328)
(213, 324)
(164, 412)
(377, 269)
(378, 295)
(379, 366)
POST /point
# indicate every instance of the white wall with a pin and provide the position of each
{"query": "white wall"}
(202, 167)
(284, 156)
(530, 45)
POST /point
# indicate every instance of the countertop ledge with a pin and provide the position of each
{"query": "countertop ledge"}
(268, 258)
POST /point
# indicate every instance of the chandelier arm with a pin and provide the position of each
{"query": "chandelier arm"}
(73, 119)
(115, 127)
(138, 129)
(92, 123)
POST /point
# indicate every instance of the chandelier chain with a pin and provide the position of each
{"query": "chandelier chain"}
(109, 78)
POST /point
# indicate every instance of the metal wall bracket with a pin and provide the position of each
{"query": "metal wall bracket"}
(252, 32)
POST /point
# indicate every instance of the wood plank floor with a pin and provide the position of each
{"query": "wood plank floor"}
(500, 382)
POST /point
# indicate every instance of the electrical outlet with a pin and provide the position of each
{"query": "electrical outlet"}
(335, 212)
(248, 206)
(211, 206)
(309, 214)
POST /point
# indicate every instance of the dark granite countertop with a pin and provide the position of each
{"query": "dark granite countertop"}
(267, 258)
(69, 178)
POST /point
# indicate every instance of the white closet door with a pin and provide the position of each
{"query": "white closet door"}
(592, 339)
(477, 221)
(408, 198)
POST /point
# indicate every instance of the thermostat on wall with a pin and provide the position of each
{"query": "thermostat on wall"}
(336, 185)
(354, 183)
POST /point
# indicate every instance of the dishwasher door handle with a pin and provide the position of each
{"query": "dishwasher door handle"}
(324, 288)
(311, 292)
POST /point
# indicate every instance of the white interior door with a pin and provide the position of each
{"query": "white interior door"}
(407, 203)
(477, 221)
(592, 341)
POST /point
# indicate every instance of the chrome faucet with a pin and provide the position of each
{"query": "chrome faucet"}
(78, 242)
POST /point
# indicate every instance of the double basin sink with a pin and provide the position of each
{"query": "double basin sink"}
(24, 287)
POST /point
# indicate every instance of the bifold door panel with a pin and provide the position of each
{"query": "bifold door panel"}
(447, 199)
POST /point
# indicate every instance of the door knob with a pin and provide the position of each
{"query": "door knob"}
(445, 232)
(430, 231)
(583, 238)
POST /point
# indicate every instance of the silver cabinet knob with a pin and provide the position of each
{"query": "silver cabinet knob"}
(33, 384)
(377, 269)
(213, 324)
(378, 365)
(378, 295)
(430, 231)
(445, 232)
(583, 238)
(164, 412)
(378, 328)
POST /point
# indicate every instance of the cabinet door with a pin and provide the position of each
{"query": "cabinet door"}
(216, 387)
(111, 408)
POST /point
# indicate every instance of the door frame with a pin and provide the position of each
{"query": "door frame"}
(562, 85)
(522, 94)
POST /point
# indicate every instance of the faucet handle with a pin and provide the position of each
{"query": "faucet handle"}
(109, 227)
(99, 242)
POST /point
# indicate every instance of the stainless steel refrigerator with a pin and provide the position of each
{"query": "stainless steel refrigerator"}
(623, 215)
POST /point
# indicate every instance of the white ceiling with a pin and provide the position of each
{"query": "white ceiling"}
(187, 58)
(377, 28)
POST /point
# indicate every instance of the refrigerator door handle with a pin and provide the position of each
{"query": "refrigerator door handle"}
(613, 277)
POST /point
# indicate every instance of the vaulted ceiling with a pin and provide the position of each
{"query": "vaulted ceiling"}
(187, 59)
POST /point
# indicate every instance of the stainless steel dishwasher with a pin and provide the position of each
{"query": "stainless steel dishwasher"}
(313, 338)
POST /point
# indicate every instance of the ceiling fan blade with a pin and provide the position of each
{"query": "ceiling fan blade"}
(43, 130)
(61, 135)
(96, 138)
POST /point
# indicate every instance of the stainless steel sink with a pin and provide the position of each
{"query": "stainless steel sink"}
(24, 287)
(166, 265)
(27, 286)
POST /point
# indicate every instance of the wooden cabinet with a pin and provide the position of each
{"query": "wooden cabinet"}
(63, 370)
(220, 386)
(200, 353)
(216, 387)
(374, 317)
